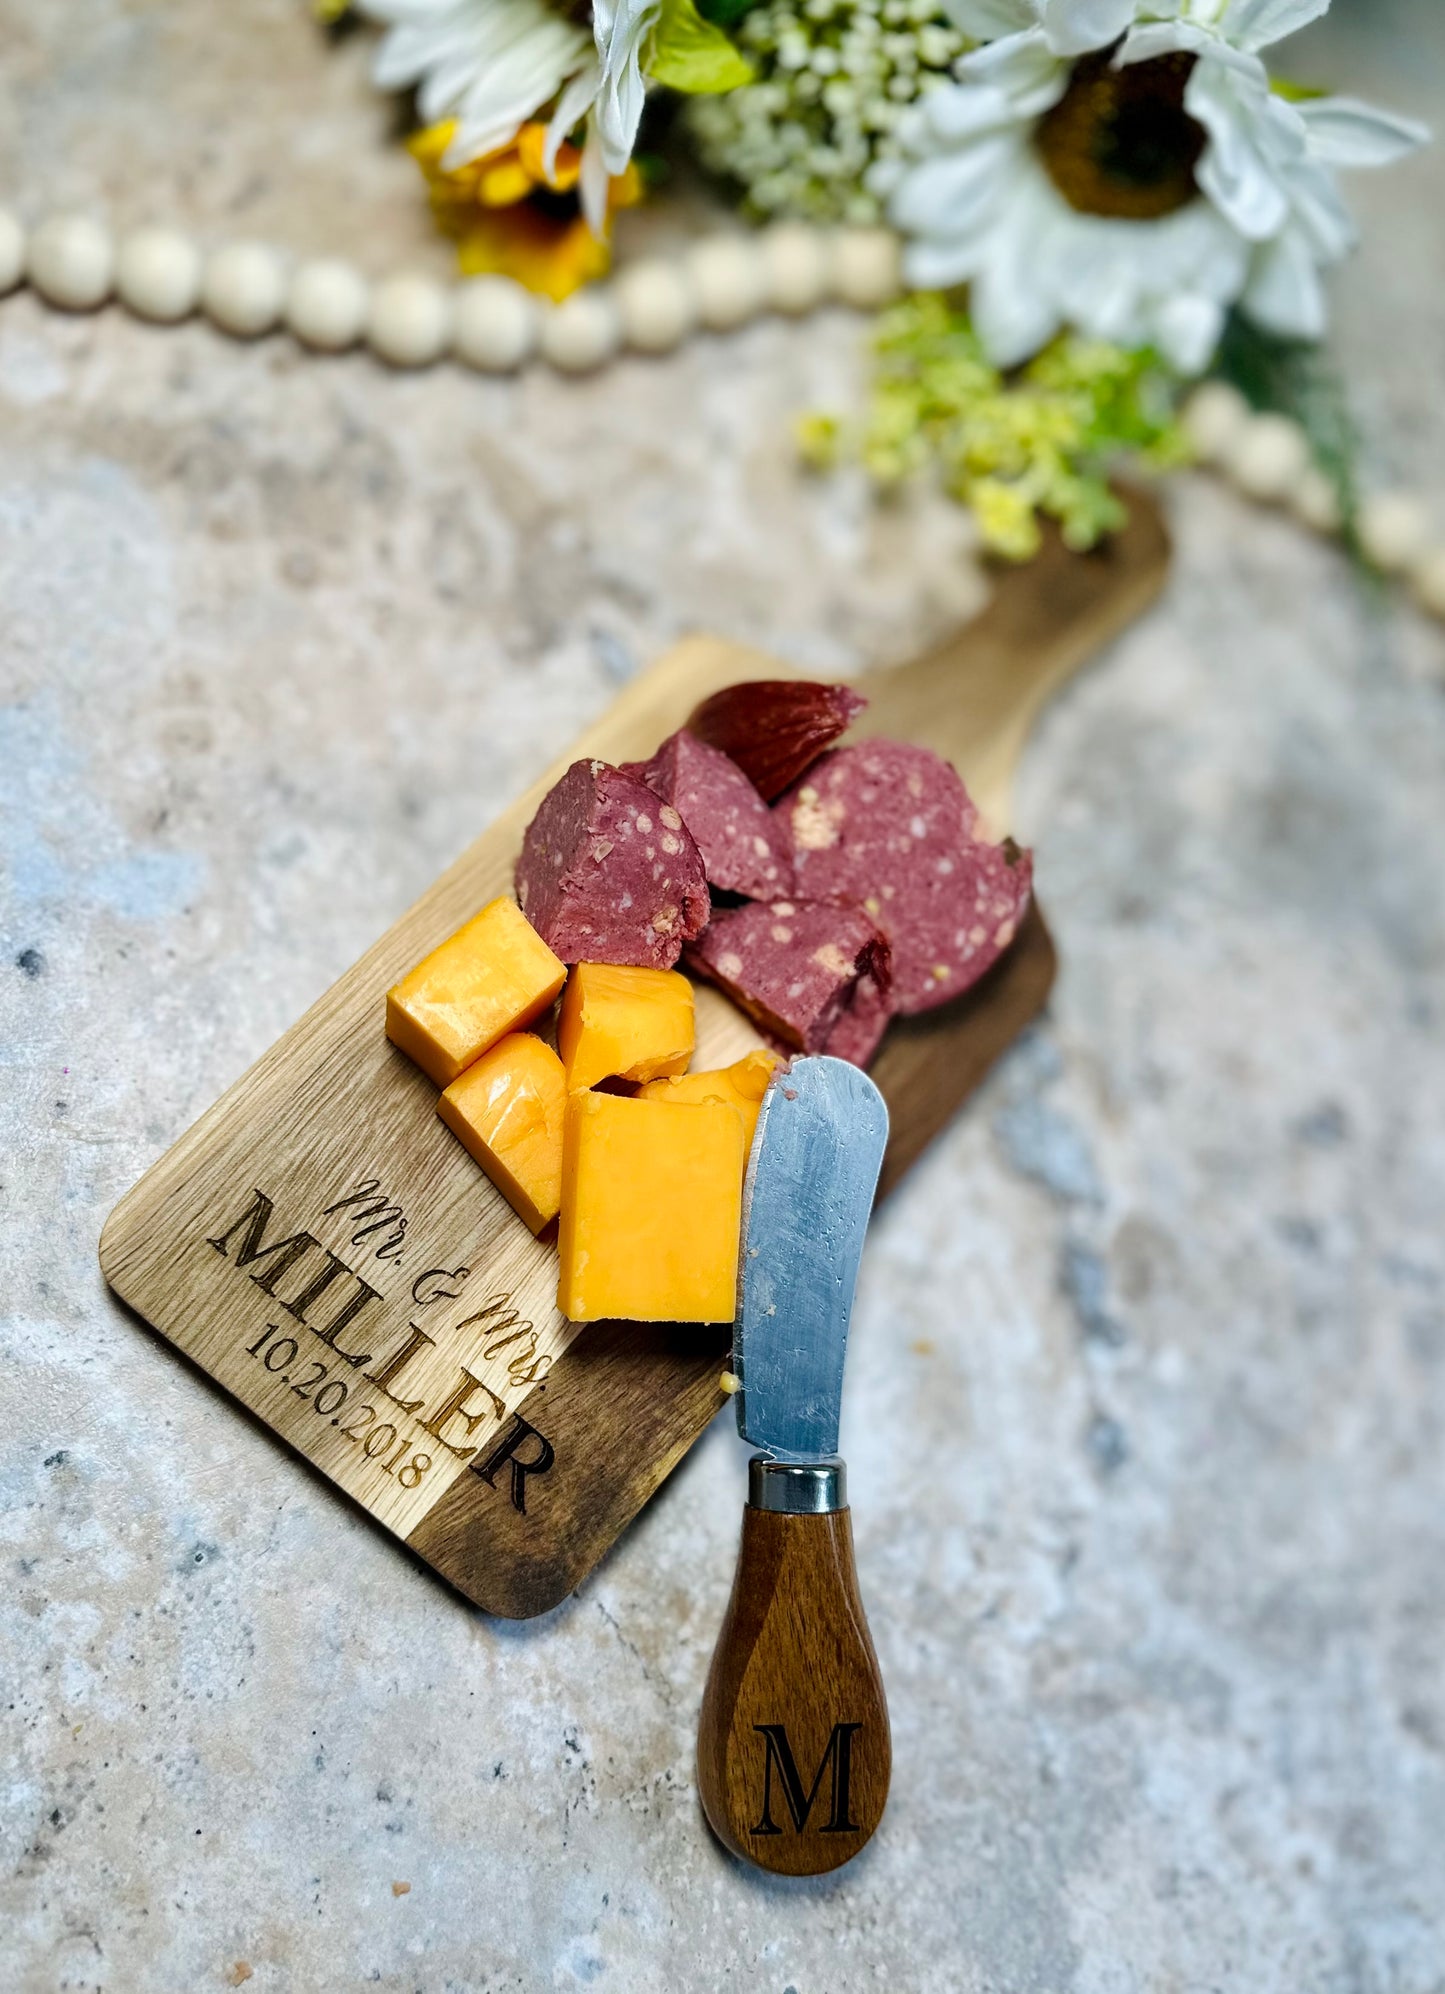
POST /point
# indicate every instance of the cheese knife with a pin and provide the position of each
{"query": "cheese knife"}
(794, 1751)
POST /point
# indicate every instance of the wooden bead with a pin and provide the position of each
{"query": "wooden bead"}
(1214, 418)
(327, 305)
(1315, 501)
(1268, 458)
(796, 261)
(867, 267)
(655, 304)
(581, 332)
(411, 321)
(1393, 529)
(71, 262)
(1427, 578)
(729, 281)
(12, 252)
(243, 290)
(158, 274)
(495, 324)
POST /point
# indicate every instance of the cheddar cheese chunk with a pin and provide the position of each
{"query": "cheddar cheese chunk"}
(743, 1084)
(651, 1209)
(621, 1023)
(508, 1109)
(494, 974)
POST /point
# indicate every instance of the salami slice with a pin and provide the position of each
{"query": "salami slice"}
(774, 729)
(609, 873)
(792, 965)
(891, 828)
(743, 849)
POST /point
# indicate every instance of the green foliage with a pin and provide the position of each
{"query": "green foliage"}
(1039, 443)
(726, 13)
(692, 54)
(1296, 93)
(1295, 378)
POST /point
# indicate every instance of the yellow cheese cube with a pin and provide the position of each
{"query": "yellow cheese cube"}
(651, 1209)
(508, 1109)
(625, 1024)
(494, 974)
(743, 1084)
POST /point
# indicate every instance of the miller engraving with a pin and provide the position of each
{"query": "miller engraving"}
(400, 1426)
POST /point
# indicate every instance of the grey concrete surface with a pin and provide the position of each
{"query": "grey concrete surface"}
(1149, 1369)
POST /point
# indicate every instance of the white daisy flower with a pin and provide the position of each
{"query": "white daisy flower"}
(490, 64)
(494, 64)
(1125, 168)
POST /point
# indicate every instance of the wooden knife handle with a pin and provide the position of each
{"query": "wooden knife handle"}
(794, 1753)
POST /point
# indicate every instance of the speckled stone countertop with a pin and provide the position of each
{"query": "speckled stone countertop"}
(1148, 1374)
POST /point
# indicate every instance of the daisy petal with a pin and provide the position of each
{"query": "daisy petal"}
(938, 266)
(489, 65)
(1284, 293)
(620, 28)
(594, 185)
(392, 11)
(1232, 171)
(957, 112)
(1074, 27)
(1186, 330)
(986, 20)
(404, 54)
(1099, 279)
(492, 115)
(1254, 24)
(1156, 38)
(1318, 210)
(1012, 319)
(1344, 132)
(572, 106)
(1014, 313)
(947, 196)
(1023, 70)
(517, 81)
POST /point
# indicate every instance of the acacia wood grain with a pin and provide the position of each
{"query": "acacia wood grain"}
(536, 1464)
(794, 1753)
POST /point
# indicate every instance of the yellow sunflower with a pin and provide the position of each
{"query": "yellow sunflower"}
(509, 217)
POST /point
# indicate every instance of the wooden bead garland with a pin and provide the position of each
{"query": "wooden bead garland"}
(492, 324)
(1267, 456)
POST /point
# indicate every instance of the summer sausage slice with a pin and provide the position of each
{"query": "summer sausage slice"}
(774, 729)
(609, 873)
(743, 850)
(860, 1025)
(793, 965)
(891, 828)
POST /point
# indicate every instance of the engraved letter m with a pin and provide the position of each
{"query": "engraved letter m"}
(837, 1756)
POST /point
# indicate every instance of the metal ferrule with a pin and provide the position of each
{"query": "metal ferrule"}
(797, 1488)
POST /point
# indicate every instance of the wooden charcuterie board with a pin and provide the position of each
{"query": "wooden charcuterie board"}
(324, 1248)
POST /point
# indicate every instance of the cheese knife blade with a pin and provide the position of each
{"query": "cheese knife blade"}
(812, 1174)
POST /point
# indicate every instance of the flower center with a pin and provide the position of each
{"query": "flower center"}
(1119, 142)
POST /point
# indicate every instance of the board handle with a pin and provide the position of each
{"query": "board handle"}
(794, 1752)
